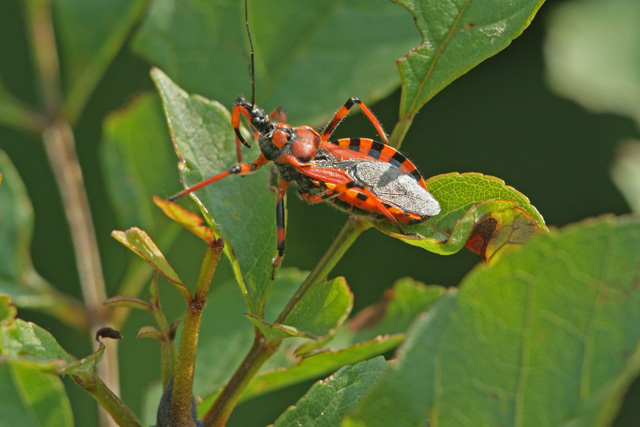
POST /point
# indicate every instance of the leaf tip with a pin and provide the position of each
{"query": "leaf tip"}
(149, 332)
(156, 73)
(187, 219)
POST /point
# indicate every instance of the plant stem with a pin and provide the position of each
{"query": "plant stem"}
(45, 53)
(111, 403)
(349, 233)
(185, 366)
(59, 144)
(259, 353)
(400, 130)
(60, 147)
(262, 350)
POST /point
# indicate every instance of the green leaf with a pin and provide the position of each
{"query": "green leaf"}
(316, 315)
(561, 310)
(128, 301)
(456, 36)
(90, 34)
(400, 306)
(467, 200)
(226, 335)
(591, 54)
(150, 332)
(16, 226)
(329, 400)
(32, 398)
(31, 349)
(458, 192)
(140, 243)
(85, 368)
(311, 367)
(138, 162)
(345, 48)
(323, 309)
(18, 279)
(240, 209)
(393, 315)
(274, 333)
(27, 344)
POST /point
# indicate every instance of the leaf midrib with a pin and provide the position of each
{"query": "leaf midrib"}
(436, 56)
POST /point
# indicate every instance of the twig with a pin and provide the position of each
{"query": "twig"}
(183, 380)
(60, 147)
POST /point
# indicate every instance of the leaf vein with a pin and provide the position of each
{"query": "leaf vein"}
(437, 54)
(519, 412)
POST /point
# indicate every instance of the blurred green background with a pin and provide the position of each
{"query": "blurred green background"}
(500, 119)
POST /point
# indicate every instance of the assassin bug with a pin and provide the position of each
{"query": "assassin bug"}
(359, 175)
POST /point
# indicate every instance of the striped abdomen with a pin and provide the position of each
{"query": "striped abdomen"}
(374, 150)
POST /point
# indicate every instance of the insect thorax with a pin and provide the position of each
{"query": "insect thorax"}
(267, 147)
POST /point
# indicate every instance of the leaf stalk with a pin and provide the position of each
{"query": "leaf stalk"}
(109, 401)
(259, 353)
(400, 130)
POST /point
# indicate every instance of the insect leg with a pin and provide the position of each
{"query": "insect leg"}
(339, 182)
(280, 113)
(280, 224)
(359, 191)
(235, 122)
(239, 169)
(344, 110)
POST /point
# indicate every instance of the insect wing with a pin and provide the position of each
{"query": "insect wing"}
(393, 186)
(365, 149)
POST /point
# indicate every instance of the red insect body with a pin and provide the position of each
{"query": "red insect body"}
(359, 175)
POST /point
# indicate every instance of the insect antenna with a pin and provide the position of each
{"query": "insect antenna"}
(252, 61)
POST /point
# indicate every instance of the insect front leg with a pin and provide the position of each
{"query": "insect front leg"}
(238, 109)
(280, 113)
(238, 169)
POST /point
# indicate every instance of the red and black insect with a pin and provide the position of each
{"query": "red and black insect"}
(358, 175)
